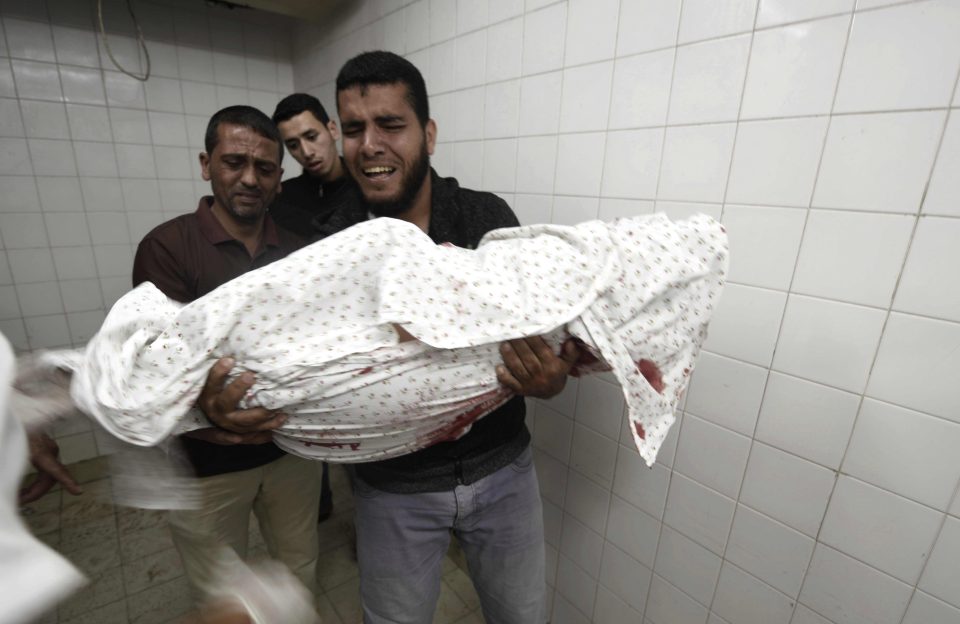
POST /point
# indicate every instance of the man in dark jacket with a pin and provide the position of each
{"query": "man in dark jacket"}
(324, 186)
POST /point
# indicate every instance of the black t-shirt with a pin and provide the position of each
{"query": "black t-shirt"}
(461, 217)
(304, 203)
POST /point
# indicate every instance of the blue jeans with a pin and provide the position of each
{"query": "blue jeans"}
(402, 540)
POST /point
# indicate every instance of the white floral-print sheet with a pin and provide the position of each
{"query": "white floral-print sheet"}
(317, 328)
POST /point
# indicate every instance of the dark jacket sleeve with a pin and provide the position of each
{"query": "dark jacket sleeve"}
(502, 214)
(482, 212)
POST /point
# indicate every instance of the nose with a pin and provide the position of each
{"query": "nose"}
(371, 145)
(308, 150)
(249, 176)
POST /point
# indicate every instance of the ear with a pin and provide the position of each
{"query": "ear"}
(430, 130)
(205, 166)
(334, 131)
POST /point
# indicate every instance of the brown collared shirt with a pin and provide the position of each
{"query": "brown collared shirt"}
(187, 257)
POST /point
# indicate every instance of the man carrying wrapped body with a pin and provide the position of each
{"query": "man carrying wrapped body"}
(376, 342)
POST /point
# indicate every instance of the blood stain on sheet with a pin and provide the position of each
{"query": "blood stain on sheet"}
(640, 432)
(652, 374)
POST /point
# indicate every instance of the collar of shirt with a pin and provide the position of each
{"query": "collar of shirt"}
(311, 185)
(444, 211)
(335, 186)
(215, 233)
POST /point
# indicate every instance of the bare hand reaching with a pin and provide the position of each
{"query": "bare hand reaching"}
(45, 457)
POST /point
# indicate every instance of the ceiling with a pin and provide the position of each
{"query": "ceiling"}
(308, 10)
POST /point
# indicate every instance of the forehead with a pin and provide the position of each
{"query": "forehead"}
(298, 124)
(234, 139)
(373, 101)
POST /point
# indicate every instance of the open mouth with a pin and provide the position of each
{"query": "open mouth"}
(378, 173)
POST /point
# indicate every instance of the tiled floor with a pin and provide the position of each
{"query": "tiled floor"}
(135, 574)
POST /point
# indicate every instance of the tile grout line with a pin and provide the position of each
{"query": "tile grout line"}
(669, 487)
(793, 276)
(606, 134)
(103, 85)
(893, 297)
(26, 141)
(726, 190)
(551, 599)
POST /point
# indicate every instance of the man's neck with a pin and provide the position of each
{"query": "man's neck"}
(248, 233)
(419, 211)
(336, 173)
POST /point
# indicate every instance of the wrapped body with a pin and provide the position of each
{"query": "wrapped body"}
(320, 331)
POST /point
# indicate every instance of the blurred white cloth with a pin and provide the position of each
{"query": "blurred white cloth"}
(266, 590)
(317, 328)
(33, 577)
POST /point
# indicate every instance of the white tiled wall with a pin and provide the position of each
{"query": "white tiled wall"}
(91, 160)
(813, 477)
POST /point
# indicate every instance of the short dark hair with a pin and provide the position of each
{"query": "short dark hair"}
(293, 105)
(383, 68)
(248, 117)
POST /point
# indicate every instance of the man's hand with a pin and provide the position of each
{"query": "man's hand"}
(45, 457)
(531, 368)
(222, 436)
(219, 403)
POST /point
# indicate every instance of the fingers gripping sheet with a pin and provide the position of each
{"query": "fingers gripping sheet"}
(317, 328)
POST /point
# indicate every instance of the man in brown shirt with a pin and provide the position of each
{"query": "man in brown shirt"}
(229, 234)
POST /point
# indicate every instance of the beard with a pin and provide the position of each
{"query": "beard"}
(246, 214)
(410, 185)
